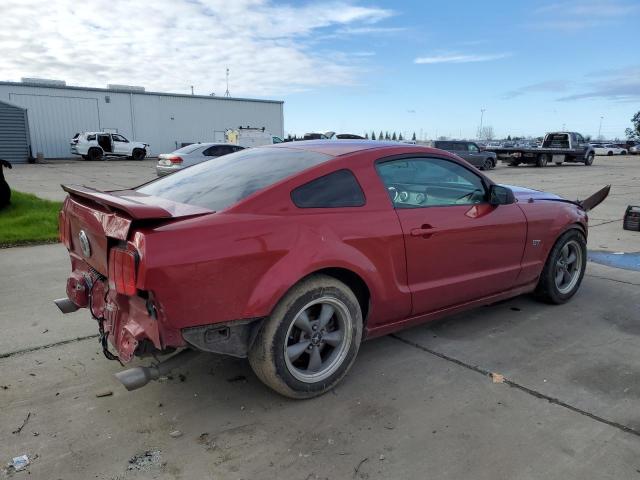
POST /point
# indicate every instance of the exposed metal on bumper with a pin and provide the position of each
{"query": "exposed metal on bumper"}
(233, 338)
(137, 377)
(65, 305)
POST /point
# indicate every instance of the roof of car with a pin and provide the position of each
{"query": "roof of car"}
(340, 147)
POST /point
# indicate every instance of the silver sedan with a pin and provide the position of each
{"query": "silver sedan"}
(191, 155)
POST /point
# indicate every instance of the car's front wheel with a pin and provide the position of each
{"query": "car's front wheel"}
(138, 154)
(589, 160)
(564, 269)
(487, 165)
(311, 339)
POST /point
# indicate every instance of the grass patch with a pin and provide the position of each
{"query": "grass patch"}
(28, 219)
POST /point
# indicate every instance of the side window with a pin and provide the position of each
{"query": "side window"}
(337, 189)
(430, 182)
(91, 138)
(212, 151)
(119, 138)
(579, 138)
(473, 148)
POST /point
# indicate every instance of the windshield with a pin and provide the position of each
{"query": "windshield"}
(224, 181)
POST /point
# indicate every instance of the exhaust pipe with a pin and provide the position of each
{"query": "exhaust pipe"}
(137, 377)
(65, 305)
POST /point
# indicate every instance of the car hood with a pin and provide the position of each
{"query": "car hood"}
(524, 194)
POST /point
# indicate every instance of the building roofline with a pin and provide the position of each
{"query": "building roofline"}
(133, 92)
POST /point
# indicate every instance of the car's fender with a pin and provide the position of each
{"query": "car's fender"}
(304, 261)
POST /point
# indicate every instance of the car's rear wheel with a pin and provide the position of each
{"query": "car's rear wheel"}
(311, 339)
(487, 165)
(609, 153)
(542, 160)
(138, 154)
(564, 269)
(589, 160)
(94, 154)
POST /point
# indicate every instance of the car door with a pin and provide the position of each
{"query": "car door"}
(120, 145)
(458, 246)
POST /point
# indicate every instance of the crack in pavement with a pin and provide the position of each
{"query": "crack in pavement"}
(611, 279)
(49, 345)
(527, 390)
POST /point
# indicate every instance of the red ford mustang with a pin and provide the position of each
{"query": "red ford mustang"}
(290, 255)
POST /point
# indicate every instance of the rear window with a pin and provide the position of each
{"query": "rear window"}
(557, 140)
(219, 183)
(188, 148)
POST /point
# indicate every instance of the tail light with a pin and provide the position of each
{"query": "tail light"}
(63, 229)
(122, 271)
(175, 159)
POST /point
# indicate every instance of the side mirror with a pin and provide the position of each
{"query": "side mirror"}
(499, 195)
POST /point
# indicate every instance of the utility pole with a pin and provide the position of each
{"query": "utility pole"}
(481, 119)
(600, 128)
(191, 89)
(227, 94)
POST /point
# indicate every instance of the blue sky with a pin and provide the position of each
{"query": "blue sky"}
(533, 67)
(350, 65)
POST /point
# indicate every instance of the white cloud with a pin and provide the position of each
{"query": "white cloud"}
(582, 14)
(169, 45)
(460, 58)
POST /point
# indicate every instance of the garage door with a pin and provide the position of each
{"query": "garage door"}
(54, 120)
(14, 141)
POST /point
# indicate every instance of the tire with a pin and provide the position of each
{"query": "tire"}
(487, 165)
(555, 286)
(542, 160)
(589, 160)
(138, 154)
(513, 164)
(558, 163)
(609, 153)
(95, 154)
(273, 361)
(623, 152)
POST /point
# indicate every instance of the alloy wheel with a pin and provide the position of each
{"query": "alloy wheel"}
(568, 267)
(318, 339)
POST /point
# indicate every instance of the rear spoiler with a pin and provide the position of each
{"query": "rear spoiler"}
(136, 205)
(596, 199)
(587, 204)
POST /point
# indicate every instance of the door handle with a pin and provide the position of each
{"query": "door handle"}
(425, 231)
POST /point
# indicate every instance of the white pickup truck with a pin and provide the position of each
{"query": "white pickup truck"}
(98, 145)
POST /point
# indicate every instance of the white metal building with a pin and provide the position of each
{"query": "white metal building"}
(55, 112)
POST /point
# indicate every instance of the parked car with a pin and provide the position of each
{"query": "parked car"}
(291, 254)
(331, 136)
(609, 149)
(192, 155)
(635, 149)
(99, 145)
(470, 151)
